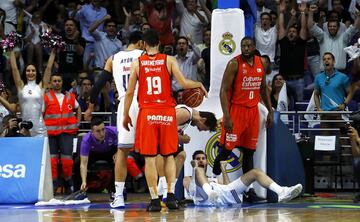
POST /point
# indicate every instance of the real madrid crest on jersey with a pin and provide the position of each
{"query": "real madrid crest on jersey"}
(227, 45)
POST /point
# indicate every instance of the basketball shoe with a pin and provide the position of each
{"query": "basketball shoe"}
(289, 193)
(118, 202)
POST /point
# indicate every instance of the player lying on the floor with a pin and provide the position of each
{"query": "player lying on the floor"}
(206, 192)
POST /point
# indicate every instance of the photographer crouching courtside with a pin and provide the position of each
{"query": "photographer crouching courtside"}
(15, 127)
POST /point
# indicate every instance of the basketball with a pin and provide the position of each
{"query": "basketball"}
(193, 97)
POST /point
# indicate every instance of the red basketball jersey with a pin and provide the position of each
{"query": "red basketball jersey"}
(154, 82)
(246, 89)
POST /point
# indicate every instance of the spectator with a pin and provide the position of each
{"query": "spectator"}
(292, 50)
(344, 15)
(260, 6)
(145, 27)
(192, 20)
(204, 62)
(62, 126)
(159, 15)
(206, 39)
(70, 59)
(274, 18)
(98, 144)
(106, 43)
(31, 93)
(187, 60)
(333, 41)
(276, 85)
(133, 22)
(75, 85)
(33, 42)
(84, 96)
(6, 106)
(331, 87)
(87, 15)
(266, 36)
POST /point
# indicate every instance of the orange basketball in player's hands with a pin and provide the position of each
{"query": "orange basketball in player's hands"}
(193, 97)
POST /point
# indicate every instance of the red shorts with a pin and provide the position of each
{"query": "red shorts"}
(156, 131)
(245, 128)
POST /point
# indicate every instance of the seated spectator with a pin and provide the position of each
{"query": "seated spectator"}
(276, 85)
(84, 96)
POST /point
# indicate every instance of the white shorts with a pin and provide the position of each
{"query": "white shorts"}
(126, 139)
(226, 194)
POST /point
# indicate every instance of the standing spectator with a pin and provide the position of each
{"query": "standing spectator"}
(186, 60)
(192, 20)
(331, 87)
(159, 135)
(33, 42)
(31, 93)
(98, 144)
(206, 39)
(260, 6)
(75, 85)
(344, 15)
(292, 51)
(240, 126)
(70, 59)
(133, 21)
(266, 36)
(333, 40)
(84, 96)
(62, 126)
(87, 15)
(159, 15)
(204, 62)
(106, 43)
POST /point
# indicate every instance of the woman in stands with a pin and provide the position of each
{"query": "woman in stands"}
(31, 93)
(276, 85)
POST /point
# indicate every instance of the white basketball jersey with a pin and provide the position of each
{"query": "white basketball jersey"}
(121, 63)
(182, 127)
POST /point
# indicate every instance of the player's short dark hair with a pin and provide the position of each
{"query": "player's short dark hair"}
(210, 121)
(96, 121)
(197, 152)
(135, 36)
(151, 37)
(248, 38)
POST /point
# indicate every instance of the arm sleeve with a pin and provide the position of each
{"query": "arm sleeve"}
(104, 77)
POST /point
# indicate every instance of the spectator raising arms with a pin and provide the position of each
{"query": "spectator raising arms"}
(30, 93)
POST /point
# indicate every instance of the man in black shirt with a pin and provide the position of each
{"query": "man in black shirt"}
(71, 58)
(292, 51)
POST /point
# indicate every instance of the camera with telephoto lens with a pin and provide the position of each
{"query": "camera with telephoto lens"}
(24, 124)
(355, 118)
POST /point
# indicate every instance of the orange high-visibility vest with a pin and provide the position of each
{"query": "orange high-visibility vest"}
(60, 120)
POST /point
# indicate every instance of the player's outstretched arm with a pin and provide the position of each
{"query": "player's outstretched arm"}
(105, 76)
(184, 83)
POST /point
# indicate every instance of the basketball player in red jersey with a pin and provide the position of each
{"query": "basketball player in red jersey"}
(156, 129)
(242, 86)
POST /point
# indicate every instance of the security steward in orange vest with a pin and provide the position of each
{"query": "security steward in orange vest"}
(62, 126)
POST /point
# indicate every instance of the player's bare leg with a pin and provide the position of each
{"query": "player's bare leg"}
(120, 177)
(226, 179)
(202, 181)
(151, 175)
(170, 171)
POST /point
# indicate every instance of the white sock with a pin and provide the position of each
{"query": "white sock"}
(160, 188)
(119, 188)
(172, 188)
(238, 186)
(207, 188)
(276, 188)
(165, 188)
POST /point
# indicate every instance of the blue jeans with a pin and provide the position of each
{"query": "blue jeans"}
(297, 86)
(89, 48)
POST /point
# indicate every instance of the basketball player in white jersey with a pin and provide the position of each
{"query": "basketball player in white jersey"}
(212, 192)
(185, 116)
(119, 67)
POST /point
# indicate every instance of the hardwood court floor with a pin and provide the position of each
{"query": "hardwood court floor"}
(311, 209)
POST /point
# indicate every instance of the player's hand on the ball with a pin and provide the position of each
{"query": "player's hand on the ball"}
(126, 122)
(204, 90)
(186, 138)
